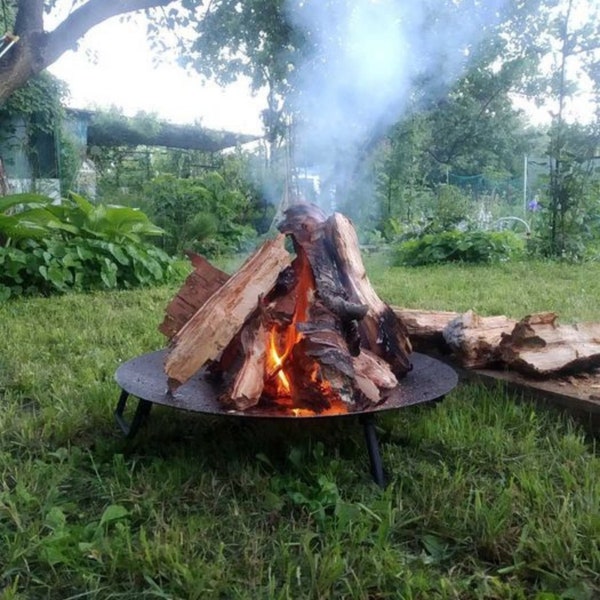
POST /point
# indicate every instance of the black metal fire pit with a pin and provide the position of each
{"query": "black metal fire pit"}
(144, 378)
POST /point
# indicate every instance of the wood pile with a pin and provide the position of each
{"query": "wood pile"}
(299, 331)
(537, 345)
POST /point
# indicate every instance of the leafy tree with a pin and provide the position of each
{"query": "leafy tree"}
(38, 48)
(580, 44)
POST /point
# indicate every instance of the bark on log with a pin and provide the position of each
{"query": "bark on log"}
(475, 340)
(199, 286)
(381, 330)
(538, 345)
(217, 321)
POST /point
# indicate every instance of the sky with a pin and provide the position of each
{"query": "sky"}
(122, 74)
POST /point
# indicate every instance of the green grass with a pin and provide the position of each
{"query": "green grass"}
(490, 497)
(515, 289)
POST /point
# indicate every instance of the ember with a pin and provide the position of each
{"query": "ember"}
(304, 334)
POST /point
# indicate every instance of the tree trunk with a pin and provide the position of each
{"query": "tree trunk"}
(38, 49)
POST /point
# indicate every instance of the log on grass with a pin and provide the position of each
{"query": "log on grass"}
(199, 286)
(216, 322)
(381, 330)
(475, 340)
(426, 327)
(539, 346)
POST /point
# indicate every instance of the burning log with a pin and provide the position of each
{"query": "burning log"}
(249, 382)
(380, 330)
(308, 227)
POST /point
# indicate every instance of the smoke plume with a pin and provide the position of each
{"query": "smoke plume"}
(369, 61)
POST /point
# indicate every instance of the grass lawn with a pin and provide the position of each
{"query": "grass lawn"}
(490, 496)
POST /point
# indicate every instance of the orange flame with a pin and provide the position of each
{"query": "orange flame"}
(281, 343)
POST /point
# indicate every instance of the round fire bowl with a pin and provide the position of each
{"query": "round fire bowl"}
(144, 378)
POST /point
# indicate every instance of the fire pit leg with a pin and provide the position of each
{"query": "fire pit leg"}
(368, 422)
(141, 413)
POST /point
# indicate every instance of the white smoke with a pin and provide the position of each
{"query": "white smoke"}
(371, 60)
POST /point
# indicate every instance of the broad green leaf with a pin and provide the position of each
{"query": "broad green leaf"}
(84, 205)
(113, 512)
(22, 199)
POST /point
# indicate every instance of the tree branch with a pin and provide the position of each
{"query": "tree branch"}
(37, 49)
(90, 14)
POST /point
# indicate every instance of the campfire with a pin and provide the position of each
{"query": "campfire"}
(297, 332)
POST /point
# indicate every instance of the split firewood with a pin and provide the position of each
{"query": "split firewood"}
(199, 286)
(249, 381)
(381, 330)
(373, 376)
(216, 322)
(538, 345)
(475, 340)
(425, 328)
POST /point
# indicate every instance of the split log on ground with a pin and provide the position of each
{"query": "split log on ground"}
(475, 340)
(538, 345)
(381, 330)
(216, 322)
(199, 286)
(425, 327)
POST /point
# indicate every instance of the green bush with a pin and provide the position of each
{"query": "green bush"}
(75, 245)
(457, 246)
(204, 214)
(78, 264)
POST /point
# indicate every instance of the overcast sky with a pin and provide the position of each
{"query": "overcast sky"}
(122, 74)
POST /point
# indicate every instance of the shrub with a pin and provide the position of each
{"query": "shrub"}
(78, 264)
(203, 214)
(457, 246)
(75, 245)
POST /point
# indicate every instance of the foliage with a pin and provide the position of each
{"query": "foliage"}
(75, 245)
(203, 213)
(49, 266)
(457, 246)
(38, 103)
(577, 56)
(490, 495)
(37, 106)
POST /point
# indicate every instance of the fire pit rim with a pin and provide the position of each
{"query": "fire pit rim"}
(144, 378)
